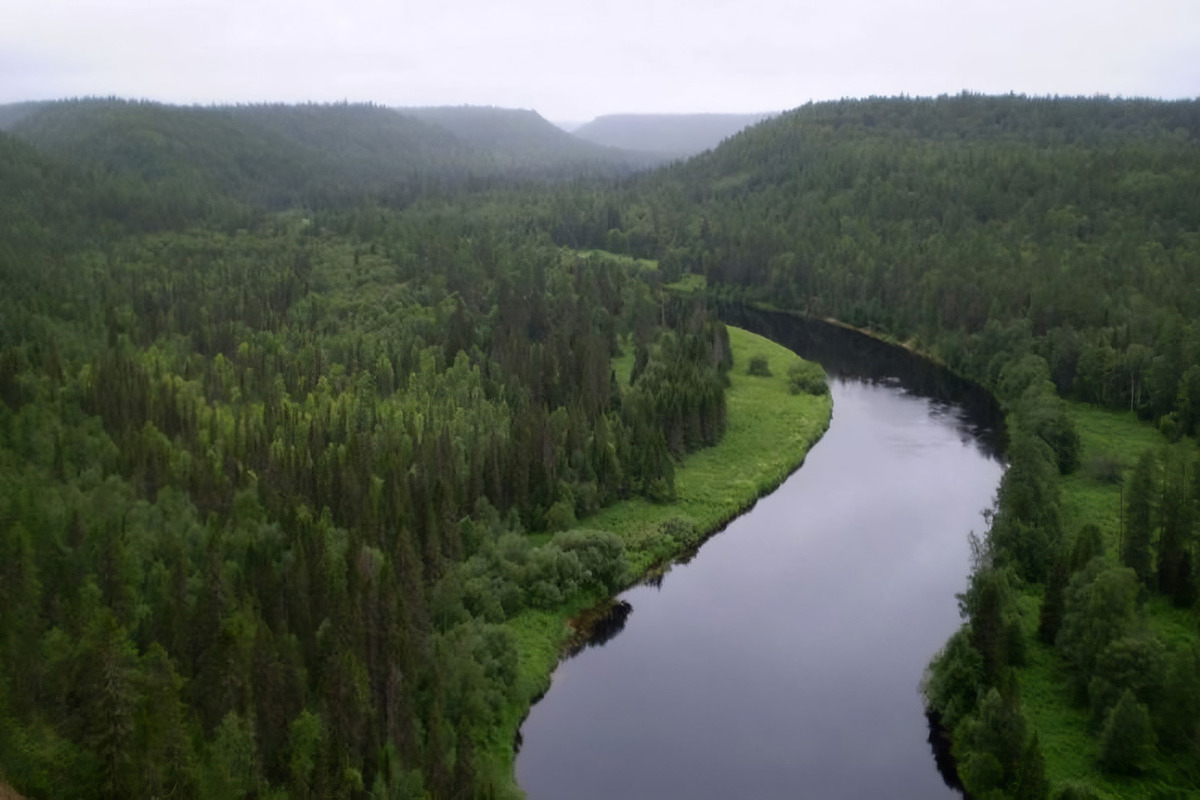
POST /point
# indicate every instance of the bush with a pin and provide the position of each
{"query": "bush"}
(560, 516)
(1128, 739)
(759, 367)
(1106, 468)
(805, 377)
(602, 556)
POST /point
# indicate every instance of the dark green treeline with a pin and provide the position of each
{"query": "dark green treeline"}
(250, 465)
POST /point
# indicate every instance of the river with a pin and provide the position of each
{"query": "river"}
(783, 660)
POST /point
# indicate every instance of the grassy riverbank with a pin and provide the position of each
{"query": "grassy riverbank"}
(769, 433)
(1111, 443)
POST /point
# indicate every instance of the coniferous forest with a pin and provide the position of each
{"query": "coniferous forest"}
(300, 404)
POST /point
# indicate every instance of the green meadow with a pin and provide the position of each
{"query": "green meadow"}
(1111, 443)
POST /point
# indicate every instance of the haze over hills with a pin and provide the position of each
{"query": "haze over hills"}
(521, 135)
(278, 156)
(673, 135)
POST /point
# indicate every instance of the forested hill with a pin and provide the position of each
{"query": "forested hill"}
(269, 493)
(280, 156)
(1069, 222)
(1049, 248)
(670, 135)
(523, 136)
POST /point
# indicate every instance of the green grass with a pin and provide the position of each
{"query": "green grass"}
(690, 283)
(618, 258)
(1070, 747)
(769, 432)
(1107, 437)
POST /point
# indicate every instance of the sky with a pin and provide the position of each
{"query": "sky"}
(572, 61)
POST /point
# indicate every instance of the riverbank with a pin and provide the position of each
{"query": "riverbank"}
(768, 434)
(1111, 444)
(1047, 724)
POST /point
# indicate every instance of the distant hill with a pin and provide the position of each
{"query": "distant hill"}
(520, 136)
(282, 156)
(272, 156)
(44, 205)
(946, 212)
(673, 135)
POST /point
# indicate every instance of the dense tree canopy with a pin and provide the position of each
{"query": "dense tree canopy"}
(269, 492)
(298, 405)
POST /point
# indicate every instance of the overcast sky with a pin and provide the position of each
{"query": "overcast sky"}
(576, 60)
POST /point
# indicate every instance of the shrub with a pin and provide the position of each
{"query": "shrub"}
(759, 367)
(1106, 468)
(805, 377)
(1128, 738)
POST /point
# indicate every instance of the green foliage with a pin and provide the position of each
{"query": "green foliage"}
(1069, 707)
(806, 377)
(196, 162)
(1019, 376)
(1138, 518)
(304, 743)
(1089, 545)
(1031, 776)
(271, 483)
(951, 684)
(759, 367)
(229, 768)
(1128, 740)
(266, 490)
(1177, 712)
(1026, 528)
(1108, 642)
(1131, 663)
(983, 774)
(1053, 602)
(769, 433)
(983, 605)
(1045, 414)
(989, 227)
(1101, 606)
(993, 741)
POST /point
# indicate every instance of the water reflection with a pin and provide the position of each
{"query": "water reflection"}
(856, 357)
(783, 660)
(939, 743)
(597, 626)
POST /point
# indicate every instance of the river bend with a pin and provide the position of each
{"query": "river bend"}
(783, 660)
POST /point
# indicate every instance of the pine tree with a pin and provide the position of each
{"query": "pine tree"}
(1053, 602)
(1139, 510)
(1031, 775)
(1128, 739)
(1175, 541)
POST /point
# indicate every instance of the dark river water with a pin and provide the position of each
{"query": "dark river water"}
(783, 660)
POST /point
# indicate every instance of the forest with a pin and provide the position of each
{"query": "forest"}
(299, 404)
(1049, 249)
(270, 491)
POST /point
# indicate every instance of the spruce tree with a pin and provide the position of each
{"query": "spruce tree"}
(1128, 740)
(1139, 511)
(1053, 601)
(1031, 775)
